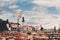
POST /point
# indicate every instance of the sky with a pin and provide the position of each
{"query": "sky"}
(36, 12)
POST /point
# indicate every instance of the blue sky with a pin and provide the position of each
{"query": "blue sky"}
(36, 12)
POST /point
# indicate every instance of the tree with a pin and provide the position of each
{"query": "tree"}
(41, 28)
(23, 20)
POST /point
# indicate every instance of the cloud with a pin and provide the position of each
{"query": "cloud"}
(5, 15)
(13, 7)
(49, 10)
(48, 3)
(16, 4)
(37, 18)
(36, 12)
